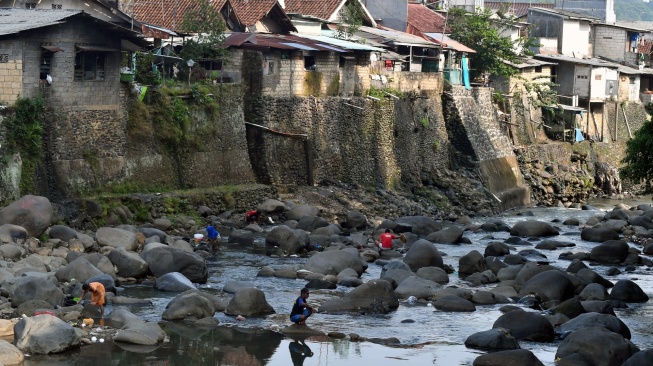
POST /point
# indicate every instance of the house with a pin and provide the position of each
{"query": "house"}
(81, 53)
(329, 10)
(549, 25)
(618, 42)
(530, 70)
(468, 5)
(601, 9)
(302, 65)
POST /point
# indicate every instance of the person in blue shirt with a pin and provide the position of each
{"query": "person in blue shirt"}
(214, 237)
(300, 309)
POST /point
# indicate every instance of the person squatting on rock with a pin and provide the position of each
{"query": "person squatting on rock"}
(385, 240)
(97, 294)
(214, 237)
(300, 309)
(252, 216)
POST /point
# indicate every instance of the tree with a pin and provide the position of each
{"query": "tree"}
(206, 23)
(638, 167)
(351, 20)
(482, 33)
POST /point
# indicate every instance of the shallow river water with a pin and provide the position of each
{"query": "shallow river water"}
(434, 338)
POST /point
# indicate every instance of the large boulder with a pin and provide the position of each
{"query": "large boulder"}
(11, 233)
(598, 235)
(139, 332)
(121, 316)
(310, 223)
(129, 264)
(36, 288)
(549, 285)
(610, 252)
(375, 296)
(162, 260)
(332, 262)
(247, 302)
(450, 235)
(419, 225)
(525, 325)
(10, 355)
(80, 269)
(435, 274)
(284, 238)
(149, 232)
(241, 237)
(299, 211)
(187, 305)
(355, 220)
(173, 282)
(517, 357)
(628, 291)
(34, 213)
(271, 206)
(416, 286)
(641, 358)
(423, 253)
(62, 232)
(44, 334)
(533, 228)
(493, 339)
(596, 346)
(587, 320)
(116, 238)
(470, 263)
(453, 303)
(232, 287)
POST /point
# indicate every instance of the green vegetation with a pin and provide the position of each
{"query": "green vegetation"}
(334, 86)
(351, 20)
(144, 72)
(425, 122)
(25, 136)
(482, 33)
(638, 167)
(207, 24)
(633, 10)
(313, 83)
(381, 93)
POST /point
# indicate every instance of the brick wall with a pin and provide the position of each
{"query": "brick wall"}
(11, 72)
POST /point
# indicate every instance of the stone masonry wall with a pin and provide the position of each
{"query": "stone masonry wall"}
(11, 71)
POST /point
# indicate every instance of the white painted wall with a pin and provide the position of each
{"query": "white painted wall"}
(599, 80)
(575, 39)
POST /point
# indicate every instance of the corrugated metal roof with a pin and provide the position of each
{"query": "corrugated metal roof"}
(566, 14)
(395, 37)
(13, 21)
(299, 46)
(341, 42)
(446, 42)
(624, 69)
(260, 41)
(518, 9)
(529, 62)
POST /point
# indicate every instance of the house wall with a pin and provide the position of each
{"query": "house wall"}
(546, 26)
(96, 11)
(577, 38)
(566, 77)
(516, 83)
(11, 72)
(609, 42)
(629, 87)
(600, 80)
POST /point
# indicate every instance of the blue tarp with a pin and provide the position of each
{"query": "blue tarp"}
(579, 135)
(465, 73)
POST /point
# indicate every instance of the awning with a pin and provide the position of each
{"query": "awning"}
(52, 48)
(97, 48)
(125, 45)
(167, 59)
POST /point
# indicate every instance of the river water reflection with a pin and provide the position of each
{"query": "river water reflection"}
(432, 338)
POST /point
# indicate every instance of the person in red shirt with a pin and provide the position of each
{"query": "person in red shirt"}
(387, 238)
(252, 216)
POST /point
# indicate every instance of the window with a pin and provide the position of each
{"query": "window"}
(56, 6)
(46, 64)
(89, 65)
(309, 63)
(30, 5)
(538, 69)
(4, 58)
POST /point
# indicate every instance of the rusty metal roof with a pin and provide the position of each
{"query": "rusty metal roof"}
(446, 42)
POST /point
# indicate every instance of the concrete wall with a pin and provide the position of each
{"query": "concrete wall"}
(392, 13)
(610, 42)
(576, 38)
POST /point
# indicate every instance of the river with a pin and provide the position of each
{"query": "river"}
(432, 338)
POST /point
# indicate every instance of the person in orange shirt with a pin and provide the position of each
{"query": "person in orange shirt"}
(97, 294)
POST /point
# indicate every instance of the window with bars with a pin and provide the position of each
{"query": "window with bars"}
(89, 65)
(30, 5)
(56, 6)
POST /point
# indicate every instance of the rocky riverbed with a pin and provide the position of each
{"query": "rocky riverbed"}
(563, 282)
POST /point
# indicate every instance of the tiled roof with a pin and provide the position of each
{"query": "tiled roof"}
(166, 13)
(322, 9)
(424, 19)
(517, 9)
(645, 46)
(17, 20)
(251, 11)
